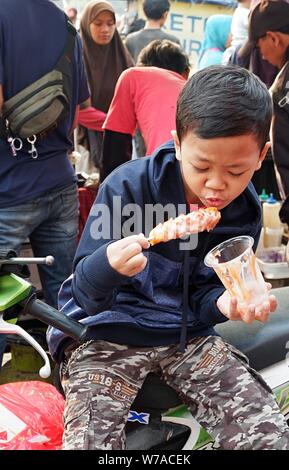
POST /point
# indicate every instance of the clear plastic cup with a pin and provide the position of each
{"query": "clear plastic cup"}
(236, 265)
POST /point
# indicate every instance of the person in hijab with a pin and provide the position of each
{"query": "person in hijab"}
(105, 59)
(216, 40)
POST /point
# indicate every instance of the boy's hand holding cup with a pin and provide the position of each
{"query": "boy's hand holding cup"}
(229, 307)
(247, 296)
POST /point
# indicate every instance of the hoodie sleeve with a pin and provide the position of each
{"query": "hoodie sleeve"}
(95, 282)
(203, 302)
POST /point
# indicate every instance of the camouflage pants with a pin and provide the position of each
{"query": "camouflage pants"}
(228, 398)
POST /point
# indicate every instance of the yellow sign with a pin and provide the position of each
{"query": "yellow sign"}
(187, 21)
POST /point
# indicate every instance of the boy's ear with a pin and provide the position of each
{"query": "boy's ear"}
(263, 154)
(177, 144)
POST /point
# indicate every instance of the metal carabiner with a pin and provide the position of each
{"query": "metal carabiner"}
(33, 152)
(17, 143)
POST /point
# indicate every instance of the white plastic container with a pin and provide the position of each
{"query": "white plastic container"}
(273, 270)
(273, 229)
(271, 210)
(273, 236)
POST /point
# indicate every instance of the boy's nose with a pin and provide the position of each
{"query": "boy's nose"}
(217, 183)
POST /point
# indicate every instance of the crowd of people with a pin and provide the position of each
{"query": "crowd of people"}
(225, 41)
(203, 133)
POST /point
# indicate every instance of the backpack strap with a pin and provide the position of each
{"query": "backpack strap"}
(64, 63)
(67, 53)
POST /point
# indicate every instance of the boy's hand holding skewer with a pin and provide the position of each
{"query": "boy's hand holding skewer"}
(126, 256)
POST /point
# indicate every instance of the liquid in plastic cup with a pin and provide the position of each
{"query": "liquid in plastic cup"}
(236, 265)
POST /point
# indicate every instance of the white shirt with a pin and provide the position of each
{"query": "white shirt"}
(239, 26)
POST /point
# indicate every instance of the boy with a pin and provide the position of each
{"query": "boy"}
(147, 96)
(138, 299)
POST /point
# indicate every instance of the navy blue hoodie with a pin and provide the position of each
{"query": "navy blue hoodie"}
(146, 310)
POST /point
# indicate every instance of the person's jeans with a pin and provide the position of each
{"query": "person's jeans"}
(51, 223)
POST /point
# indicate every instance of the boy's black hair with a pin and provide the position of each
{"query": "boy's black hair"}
(154, 9)
(164, 54)
(284, 29)
(224, 101)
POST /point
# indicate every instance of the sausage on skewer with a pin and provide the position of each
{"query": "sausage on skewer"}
(194, 222)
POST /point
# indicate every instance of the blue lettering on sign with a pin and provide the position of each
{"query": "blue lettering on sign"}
(191, 45)
(176, 22)
(194, 19)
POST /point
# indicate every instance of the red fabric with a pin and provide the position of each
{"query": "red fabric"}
(91, 118)
(30, 416)
(86, 199)
(145, 97)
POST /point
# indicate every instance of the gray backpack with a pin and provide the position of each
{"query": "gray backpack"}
(37, 109)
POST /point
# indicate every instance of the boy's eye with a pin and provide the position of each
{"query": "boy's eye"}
(200, 170)
(236, 174)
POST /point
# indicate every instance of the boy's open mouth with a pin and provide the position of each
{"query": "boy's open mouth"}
(215, 202)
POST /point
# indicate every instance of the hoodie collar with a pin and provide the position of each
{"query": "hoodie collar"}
(165, 177)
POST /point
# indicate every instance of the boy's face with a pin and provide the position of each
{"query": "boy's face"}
(216, 171)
